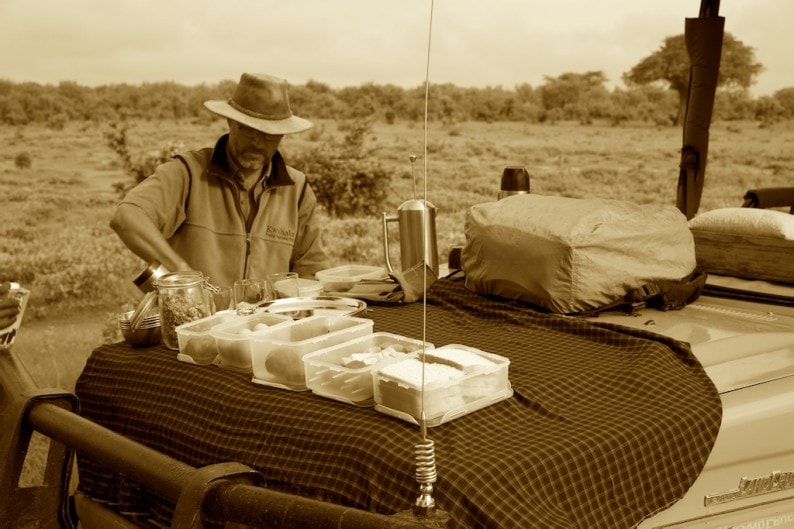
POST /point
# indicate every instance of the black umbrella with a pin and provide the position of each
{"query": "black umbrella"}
(703, 37)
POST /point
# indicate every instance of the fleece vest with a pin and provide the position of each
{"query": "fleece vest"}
(213, 237)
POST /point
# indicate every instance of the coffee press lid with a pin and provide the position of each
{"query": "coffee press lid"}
(416, 204)
(515, 178)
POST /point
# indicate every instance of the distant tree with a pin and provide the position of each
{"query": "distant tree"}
(579, 96)
(733, 105)
(670, 64)
(785, 97)
(448, 103)
(12, 112)
(648, 104)
(768, 110)
(528, 106)
(316, 100)
(76, 97)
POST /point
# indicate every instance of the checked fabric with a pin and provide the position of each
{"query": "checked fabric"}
(606, 427)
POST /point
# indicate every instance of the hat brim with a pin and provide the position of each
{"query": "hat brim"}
(291, 125)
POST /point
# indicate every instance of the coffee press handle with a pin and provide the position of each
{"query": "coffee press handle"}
(386, 219)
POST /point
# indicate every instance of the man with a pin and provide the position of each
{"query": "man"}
(233, 211)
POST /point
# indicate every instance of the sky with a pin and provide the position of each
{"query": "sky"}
(471, 43)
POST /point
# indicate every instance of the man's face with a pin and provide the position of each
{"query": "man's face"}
(250, 148)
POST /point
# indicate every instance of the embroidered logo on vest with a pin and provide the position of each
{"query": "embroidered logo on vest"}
(279, 234)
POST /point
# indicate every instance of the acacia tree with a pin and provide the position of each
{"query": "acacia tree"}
(670, 64)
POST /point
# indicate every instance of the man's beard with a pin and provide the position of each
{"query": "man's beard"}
(252, 159)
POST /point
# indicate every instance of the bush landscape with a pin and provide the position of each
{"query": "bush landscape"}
(58, 188)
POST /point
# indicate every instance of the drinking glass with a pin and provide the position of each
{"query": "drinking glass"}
(222, 299)
(284, 285)
(247, 293)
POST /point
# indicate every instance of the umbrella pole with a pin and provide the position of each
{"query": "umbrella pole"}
(709, 8)
(704, 44)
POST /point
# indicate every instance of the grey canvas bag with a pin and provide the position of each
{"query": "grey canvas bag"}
(571, 255)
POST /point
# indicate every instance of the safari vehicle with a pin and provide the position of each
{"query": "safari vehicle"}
(747, 348)
(741, 330)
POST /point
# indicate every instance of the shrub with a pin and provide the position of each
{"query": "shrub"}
(23, 160)
(138, 166)
(346, 178)
(354, 240)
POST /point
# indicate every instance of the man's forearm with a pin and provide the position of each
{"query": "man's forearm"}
(142, 237)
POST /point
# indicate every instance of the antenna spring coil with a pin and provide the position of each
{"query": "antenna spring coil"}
(425, 461)
(426, 473)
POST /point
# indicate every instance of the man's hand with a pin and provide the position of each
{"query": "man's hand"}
(9, 307)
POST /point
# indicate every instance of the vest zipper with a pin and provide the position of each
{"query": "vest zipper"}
(245, 228)
(247, 250)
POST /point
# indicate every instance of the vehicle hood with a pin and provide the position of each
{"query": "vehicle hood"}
(739, 343)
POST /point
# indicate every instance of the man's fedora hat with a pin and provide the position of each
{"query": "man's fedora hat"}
(261, 102)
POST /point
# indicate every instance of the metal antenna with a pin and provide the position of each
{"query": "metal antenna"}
(424, 451)
(413, 174)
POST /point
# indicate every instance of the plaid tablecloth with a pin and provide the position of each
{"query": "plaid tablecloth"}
(606, 427)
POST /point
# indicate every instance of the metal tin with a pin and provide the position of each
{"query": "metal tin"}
(149, 276)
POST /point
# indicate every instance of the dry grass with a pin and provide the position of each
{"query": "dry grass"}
(54, 235)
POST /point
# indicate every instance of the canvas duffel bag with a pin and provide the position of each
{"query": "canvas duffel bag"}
(572, 255)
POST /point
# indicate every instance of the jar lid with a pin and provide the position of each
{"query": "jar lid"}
(180, 279)
(144, 306)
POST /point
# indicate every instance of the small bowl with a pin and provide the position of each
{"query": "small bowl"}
(142, 336)
(147, 334)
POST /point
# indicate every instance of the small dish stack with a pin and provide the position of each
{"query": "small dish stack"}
(146, 334)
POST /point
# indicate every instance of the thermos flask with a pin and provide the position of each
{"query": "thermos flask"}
(515, 181)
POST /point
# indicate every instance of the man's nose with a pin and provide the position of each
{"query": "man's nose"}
(259, 140)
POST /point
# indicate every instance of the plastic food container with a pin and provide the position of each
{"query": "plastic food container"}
(342, 278)
(344, 371)
(195, 341)
(304, 288)
(277, 354)
(457, 380)
(233, 338)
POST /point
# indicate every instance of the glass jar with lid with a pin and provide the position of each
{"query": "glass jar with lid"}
(182, 297)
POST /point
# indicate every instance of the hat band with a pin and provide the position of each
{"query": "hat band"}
(259, 115)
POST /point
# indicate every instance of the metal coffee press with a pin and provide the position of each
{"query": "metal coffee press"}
(416, 219)
(515, 181)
